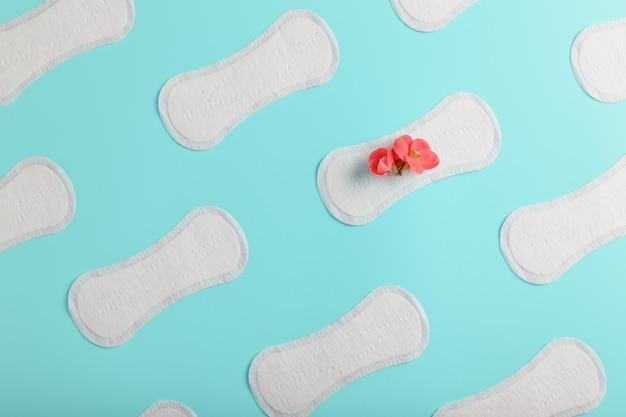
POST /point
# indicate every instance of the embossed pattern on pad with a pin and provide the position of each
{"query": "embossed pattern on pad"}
(542, 241)
(167, 409)
(199, 108)
(205, 249)
(387, 328)
(461, 130)
(429, 15)
(564, 379)
(599, 60)
(36, 199)
(54, 31)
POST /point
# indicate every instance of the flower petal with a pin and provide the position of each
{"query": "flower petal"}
(378, 153)
(383, 166)
(415, 164)
(392, 156)
(373, 164)
(401, 146)
(429, 159)
(419, 145)
(377, 170)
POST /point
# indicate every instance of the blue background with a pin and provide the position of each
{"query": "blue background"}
(96, 116)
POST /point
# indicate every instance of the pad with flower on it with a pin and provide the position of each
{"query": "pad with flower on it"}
(358, 182)
(406, 153)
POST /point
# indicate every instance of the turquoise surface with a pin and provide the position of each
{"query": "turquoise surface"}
(96, 116)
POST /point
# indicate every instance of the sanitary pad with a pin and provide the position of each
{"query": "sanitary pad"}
(36, 199)
(54, 31)
(542, 241)
(167, 409)
(429, 15)
(599, 60)
(564, 379)
(387, 328)
(297, 51)
(205, 249)
(461, 129)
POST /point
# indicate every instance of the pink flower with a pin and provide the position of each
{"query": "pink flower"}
(381, 161)
(404, 154)
(416, 153)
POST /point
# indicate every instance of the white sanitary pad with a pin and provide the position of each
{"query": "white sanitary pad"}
(206, 248)
(167, 409)
(599, 60)
(461, 130)
(387, 328)
(542, 241)
(54, 31)
(36, 199)
(297, 51)
(564, 379)
(429, 15)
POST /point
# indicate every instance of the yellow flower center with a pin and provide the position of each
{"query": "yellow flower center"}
(415, 154)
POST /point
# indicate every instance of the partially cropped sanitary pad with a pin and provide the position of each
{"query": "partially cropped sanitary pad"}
(297, 51)
(167, 409)
(599, 60)
(564, 379)
(541, 242)
(461, 130)
(36, 199)
(205, 249)
(387, 328)
(429, 15)
(54, 31)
